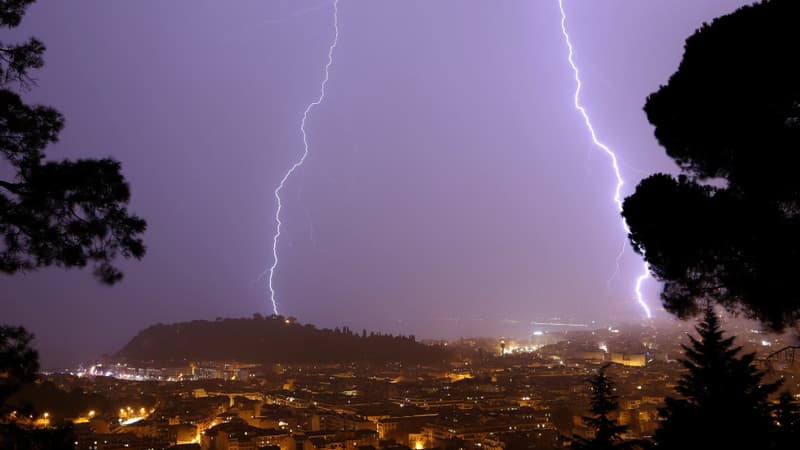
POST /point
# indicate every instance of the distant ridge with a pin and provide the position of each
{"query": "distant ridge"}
(271, 339)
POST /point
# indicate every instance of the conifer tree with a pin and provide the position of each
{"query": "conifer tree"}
(65, 213)
(787, 422)
(603, 403)
(723, 400)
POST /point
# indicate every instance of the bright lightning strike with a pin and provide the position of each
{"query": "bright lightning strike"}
(612, 156)
(302, 159)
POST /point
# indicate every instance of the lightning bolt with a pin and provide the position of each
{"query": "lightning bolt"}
(303, 157)
(611, 155)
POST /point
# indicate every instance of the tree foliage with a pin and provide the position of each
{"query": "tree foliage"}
(603, 404)
(18, 362)
(787, 421)
(63, 213)
(723, 399)
(728, 229)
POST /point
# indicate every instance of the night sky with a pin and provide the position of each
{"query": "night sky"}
(451, 187)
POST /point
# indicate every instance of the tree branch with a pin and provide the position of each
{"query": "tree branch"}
(11, 187)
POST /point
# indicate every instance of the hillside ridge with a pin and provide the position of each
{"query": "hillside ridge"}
(272, 339)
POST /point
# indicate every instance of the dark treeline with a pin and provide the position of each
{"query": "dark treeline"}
(723, 401)
(272, 339)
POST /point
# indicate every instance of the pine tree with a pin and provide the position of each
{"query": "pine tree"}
(65, 213)
(608, 432)
(787, 421)
(723, 403)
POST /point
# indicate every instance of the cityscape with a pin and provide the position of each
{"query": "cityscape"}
(496, 393)
(399, 225)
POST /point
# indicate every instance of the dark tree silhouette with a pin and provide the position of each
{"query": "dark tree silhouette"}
(63, 213)
(723, 400)
(18, 362)
(18, 365)
(607, 431)
(728, 229)
(787, 421)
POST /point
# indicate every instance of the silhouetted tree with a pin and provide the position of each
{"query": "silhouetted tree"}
(18, 361)
(63, 213)
(18, 365)
(728, 229)
(723, 399)
(787, 421)
(607, 431)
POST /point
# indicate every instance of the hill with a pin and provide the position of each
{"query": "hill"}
(270, 340)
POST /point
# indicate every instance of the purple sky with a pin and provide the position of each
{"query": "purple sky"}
(451, 188)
